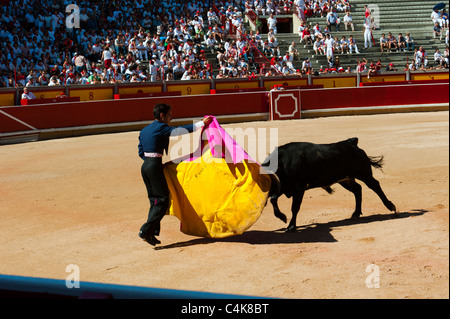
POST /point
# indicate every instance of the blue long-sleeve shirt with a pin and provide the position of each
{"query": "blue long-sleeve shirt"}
(154, 138)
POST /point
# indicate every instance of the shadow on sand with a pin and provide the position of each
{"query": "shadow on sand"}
(312, 233)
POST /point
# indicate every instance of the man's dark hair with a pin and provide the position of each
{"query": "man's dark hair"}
(160, 108)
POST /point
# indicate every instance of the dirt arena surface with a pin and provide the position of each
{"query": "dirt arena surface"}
(82, 201)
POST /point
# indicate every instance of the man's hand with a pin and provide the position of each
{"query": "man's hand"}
(207, 120)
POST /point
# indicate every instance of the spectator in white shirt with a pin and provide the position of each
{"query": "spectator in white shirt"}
(367, 33)
(272, 23)
(352, 45)
(329, 43)
(293, 51)
(344, 45)
(27, 95)
(306, 65)
(438, 58)
(436, 17)
(317, 47)
(348, 21)
(446, 37)
(53, 81)
(288, 60)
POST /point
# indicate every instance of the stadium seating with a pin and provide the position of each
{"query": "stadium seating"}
(394, 16)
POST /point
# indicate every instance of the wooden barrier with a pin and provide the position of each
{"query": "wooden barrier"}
(248, 83)
(289, 104)
(141, 87)
(143, 95)
(304, 87)
(99, 92)
(88, 93)
(45, 92)
(269, 82)
(403, 82)
(49, 101)
(384, 78)
(222, 91)
(429, 76)
(8, 97)
(66, 115)
(196, 87)
(336, 81)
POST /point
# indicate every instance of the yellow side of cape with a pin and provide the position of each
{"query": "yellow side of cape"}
(216, 199)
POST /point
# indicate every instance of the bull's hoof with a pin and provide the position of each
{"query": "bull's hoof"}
(356, 215)
(392, 207)
(291, 229)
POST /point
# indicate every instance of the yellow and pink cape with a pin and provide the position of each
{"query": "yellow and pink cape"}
(220, 192)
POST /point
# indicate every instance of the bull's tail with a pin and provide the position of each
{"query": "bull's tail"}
(376, 161)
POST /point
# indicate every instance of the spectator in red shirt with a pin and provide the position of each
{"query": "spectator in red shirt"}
(372, 69)
(306, 36)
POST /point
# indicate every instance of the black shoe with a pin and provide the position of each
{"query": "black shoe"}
(151, 239)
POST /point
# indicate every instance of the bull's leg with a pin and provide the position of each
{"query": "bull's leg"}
(374, 185)
(352, 186)
(296, 202)
(276, 209)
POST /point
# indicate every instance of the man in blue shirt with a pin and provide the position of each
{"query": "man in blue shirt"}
(332, 19)
(153, 141)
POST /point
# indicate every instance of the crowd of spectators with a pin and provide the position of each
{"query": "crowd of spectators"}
(111, 42)
(150, 40)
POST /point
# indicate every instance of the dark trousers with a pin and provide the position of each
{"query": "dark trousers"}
(158, 194)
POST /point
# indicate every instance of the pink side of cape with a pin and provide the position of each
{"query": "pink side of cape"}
(221, 145)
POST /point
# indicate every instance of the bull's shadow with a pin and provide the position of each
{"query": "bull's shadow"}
(312, 233)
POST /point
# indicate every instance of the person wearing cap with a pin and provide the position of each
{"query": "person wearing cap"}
(306, 65)
(153, 142)
(332, 19)
(391, 67)
(372, 69)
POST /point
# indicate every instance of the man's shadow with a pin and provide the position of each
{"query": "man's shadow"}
(312, 233)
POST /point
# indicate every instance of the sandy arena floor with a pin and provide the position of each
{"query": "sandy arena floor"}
(81, 201)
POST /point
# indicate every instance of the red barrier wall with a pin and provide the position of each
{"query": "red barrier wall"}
(374, 96)
(285, 105)
(39, 117)
(123, 111)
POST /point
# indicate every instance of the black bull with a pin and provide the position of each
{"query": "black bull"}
(303, 166)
